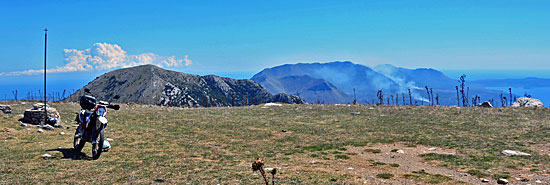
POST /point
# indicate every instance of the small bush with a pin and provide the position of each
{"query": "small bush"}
(341, 157)
(374, 151)
(377, 163)
(385, 175)
(394, 165)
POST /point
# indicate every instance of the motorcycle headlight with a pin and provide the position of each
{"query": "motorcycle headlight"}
(101, 111)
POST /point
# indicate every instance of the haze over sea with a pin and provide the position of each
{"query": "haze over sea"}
(57, 82)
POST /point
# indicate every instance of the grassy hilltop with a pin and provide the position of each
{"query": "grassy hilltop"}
(311, 144)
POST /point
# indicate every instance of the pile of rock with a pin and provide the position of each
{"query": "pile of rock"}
(36, 115)
(6, 109)
(527, 102)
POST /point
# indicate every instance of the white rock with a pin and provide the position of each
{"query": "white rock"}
(46, 156)
(109, 139)
(355, 113)
(40, 130)
(371, 108)
(514, 153)
(350, 168)
(400, 151)
(431, 149)
(272, 104)
(484, 180)
(538, 182)
(527, 102)
(47, 127)
(61, 133)
(502, 181)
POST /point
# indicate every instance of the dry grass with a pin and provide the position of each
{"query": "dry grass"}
(216, 145)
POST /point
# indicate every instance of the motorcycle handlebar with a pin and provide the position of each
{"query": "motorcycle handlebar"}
(116, 107)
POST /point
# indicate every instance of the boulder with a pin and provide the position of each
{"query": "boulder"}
(6, 109)
(36, 114)
(527, 102)
(485, 105)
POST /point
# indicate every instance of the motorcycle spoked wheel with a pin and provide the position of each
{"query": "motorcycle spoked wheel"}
(78, 142)
(97, 149)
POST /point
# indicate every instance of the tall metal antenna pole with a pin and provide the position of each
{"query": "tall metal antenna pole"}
(45, 99)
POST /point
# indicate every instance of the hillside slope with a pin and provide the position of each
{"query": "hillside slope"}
(343, 77)
(152, 85)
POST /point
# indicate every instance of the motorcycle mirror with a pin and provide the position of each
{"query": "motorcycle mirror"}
(116, 97)
(87, 90)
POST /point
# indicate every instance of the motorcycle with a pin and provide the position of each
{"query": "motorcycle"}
(92, 123)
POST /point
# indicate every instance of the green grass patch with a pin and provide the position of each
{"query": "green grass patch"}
(477, 173)
(384, 175)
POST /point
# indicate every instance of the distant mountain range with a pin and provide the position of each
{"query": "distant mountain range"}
(334, 82)
(149, 84)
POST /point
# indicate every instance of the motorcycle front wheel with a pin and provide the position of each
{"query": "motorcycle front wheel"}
(78, 142)
(98, 148)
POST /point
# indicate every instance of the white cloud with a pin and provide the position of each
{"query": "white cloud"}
(102, 56)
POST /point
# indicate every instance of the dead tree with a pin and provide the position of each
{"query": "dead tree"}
(410, 98)
(462, 81)
(380, 97)
(392, 99)
(457, 97)
(437, 99)
(428, 91)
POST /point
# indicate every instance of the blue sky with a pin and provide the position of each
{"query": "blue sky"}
(235, 36)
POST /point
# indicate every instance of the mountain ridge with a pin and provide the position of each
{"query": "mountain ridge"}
(149, 84)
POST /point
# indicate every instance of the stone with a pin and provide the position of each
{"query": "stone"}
(538, 182)
(23, 124)
(484, 180)
(431, 149)
(47, 156)
(400, 151)
(48, 127)
(514, 153)
(109, 139)
(6, 109)
(61, 133)
(485, 105)
(527, 102)
(40, 130)
(355, 113)
(502, 181)
(36, 114)
(272, 104)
